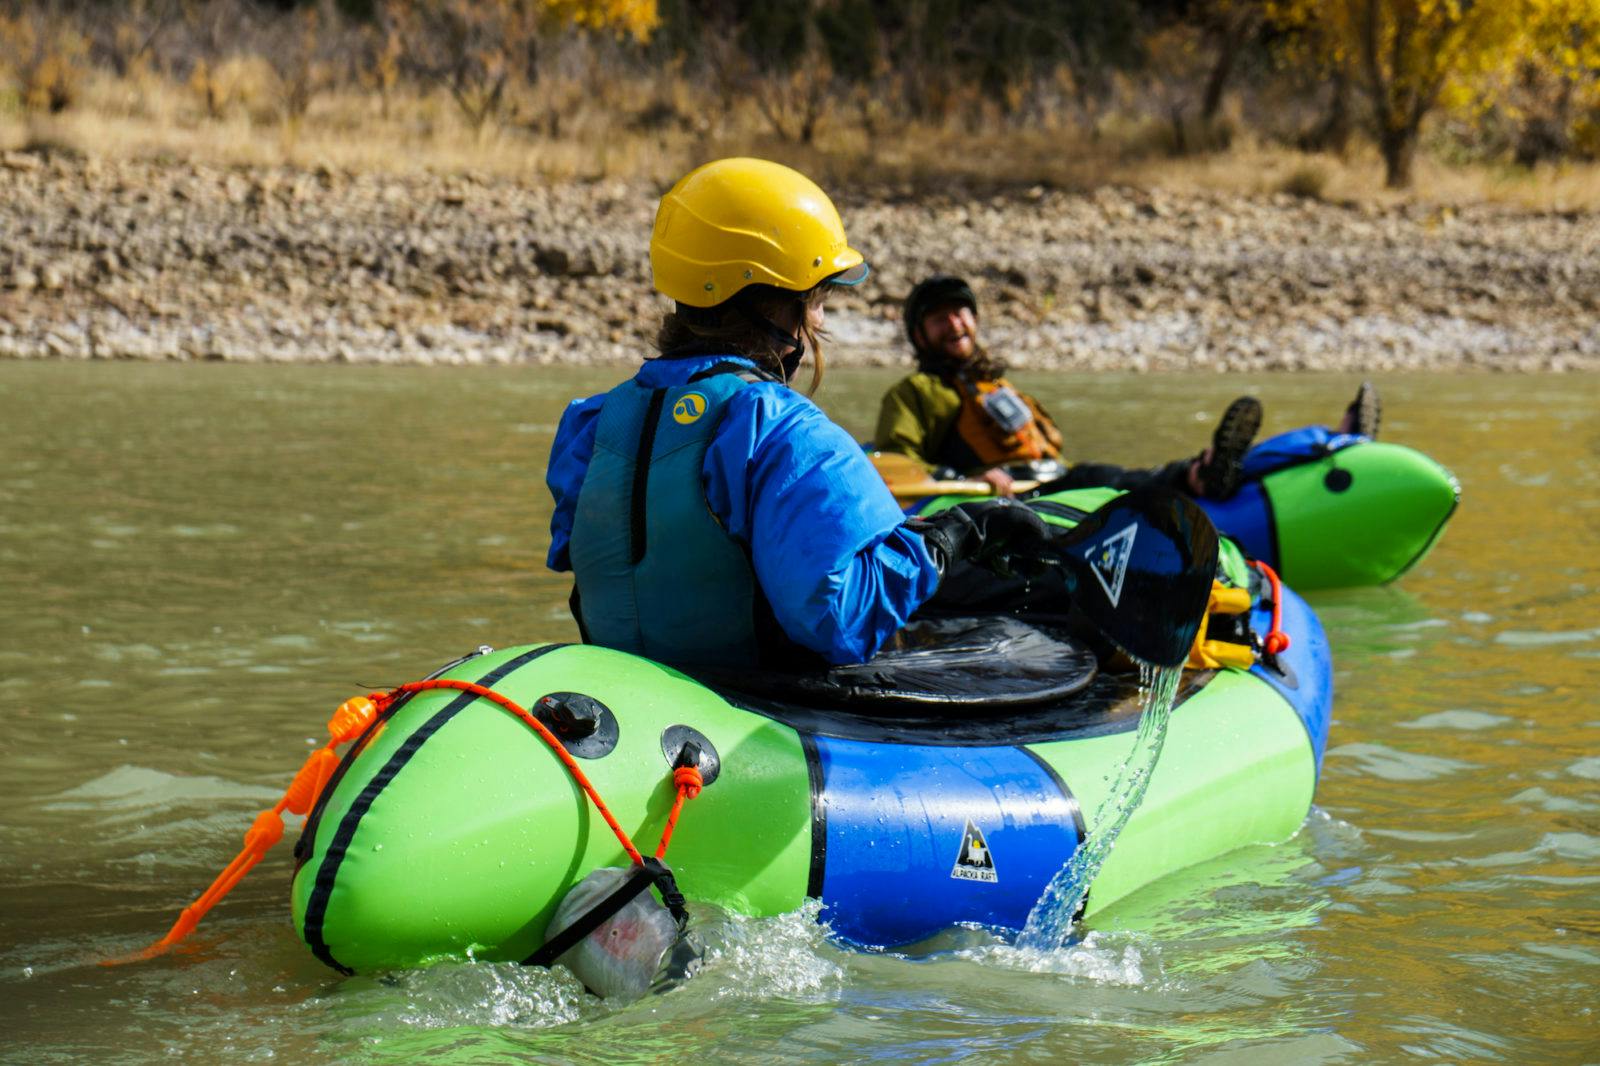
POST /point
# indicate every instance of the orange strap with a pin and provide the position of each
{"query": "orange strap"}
(1276, 640)
(349, 721)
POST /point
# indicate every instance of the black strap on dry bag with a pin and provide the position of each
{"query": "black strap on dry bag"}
(652, 872)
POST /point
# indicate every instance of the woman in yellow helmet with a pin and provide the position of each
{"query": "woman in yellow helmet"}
(711, 514)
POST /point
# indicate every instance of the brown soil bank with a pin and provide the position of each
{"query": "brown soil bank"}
(142, 260)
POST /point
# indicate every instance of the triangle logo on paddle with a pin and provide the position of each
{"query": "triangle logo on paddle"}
(973, 861)
(1110, 561)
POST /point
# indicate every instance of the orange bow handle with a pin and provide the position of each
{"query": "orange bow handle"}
(308, 783)
(352, 719)
(355, 714)
(263, 833)
(1276, 641)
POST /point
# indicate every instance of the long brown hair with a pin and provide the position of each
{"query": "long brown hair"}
(730, 328)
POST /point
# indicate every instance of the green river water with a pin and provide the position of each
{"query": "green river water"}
(198, 563)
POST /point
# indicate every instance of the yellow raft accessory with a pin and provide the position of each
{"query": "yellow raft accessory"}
(1212, 654)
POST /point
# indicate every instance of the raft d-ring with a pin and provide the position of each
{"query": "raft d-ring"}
(481, 649)
(675, 738)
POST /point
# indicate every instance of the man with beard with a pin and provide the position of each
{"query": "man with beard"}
(958, 412)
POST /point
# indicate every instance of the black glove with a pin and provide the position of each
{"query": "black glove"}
(999, 535)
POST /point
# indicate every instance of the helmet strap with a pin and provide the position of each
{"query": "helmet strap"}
(794, 348)
(790, 361)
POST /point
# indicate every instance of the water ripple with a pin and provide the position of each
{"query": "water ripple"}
(1390, 764)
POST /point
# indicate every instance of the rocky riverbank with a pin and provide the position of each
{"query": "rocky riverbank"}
(143, 260)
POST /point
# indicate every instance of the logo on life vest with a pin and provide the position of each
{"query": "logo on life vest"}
(690, 406)
(1110, 562)
(973, 861)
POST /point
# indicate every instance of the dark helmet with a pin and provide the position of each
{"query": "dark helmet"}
(941, 290)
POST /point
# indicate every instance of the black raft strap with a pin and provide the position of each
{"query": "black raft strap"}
(654, 871)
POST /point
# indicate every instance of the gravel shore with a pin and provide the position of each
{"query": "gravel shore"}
(144, 260)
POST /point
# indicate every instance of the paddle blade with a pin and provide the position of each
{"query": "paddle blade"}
(893, 467)
(1140, 569)
(909, 480)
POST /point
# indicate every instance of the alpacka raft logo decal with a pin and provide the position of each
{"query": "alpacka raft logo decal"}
(690, 406)
(1110, 562)
(973, 861)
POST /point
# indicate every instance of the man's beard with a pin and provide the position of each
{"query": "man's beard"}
(951, 348)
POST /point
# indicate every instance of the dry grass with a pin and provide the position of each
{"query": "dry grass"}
(653, 129)
(1254, 169)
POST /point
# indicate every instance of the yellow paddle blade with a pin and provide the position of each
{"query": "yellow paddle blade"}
(893, 467)
(910, 480)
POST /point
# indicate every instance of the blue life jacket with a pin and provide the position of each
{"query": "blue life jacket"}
(655, 572)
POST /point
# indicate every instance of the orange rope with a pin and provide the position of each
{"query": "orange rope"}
(1276, 640)
(548, 737)
(352, 717)
(687, 779)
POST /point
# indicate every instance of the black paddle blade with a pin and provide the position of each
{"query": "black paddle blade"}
(1140, 568)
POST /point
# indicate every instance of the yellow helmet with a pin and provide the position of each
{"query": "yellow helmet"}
(740, 222)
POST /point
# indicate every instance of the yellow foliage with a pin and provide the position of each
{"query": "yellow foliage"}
(48, 63)
(1411, 56)
(1413, 53)
(1417, 53)
(1565, 35)
(637, 18)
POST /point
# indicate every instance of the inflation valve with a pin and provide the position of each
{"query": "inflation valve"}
(586, 727)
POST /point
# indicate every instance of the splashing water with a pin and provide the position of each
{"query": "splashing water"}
(1100, 958)
(1050, 922)
(785, 956)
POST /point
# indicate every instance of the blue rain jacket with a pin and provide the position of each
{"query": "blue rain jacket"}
(825, 537)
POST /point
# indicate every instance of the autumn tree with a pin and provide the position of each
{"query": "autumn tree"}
(1557, 79)
(1407, 57)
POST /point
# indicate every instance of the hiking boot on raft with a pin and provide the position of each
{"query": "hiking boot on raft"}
(1221, 474)
(1365, 412)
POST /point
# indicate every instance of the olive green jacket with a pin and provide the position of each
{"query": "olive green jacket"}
(918, 418)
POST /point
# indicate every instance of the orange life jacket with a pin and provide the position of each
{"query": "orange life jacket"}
(1003, 425)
